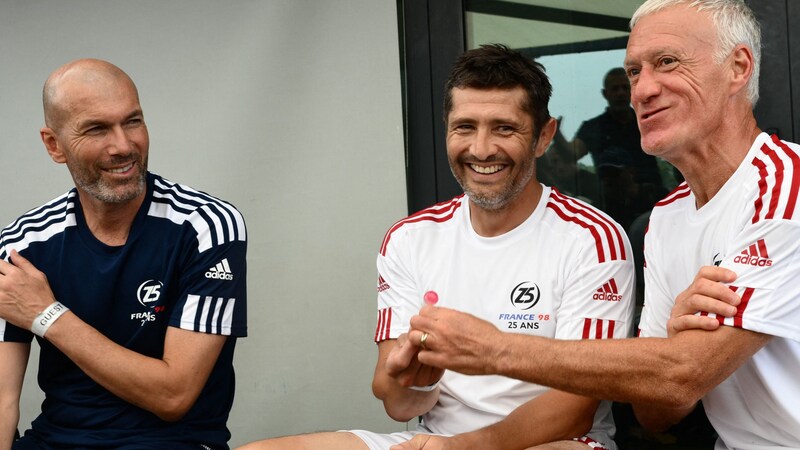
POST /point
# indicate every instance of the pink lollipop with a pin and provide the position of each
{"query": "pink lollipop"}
(431, 297)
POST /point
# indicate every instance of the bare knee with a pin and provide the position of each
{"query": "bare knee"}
(314, 441)
(562, 445)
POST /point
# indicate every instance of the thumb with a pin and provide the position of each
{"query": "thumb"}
(413, 444)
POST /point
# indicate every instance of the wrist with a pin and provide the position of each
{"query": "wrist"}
(46, 318)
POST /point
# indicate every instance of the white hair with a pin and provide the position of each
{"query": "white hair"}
(735, 24)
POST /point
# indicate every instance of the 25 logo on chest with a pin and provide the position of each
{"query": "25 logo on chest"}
(525, 295)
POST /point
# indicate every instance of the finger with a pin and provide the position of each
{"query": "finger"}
(415, 337)
(407, 445)
(683, 323)
(21, 263)
(423, 323)
(708, 304)
(400, 358)
(18, 260)
(715, 273)
(5, 267)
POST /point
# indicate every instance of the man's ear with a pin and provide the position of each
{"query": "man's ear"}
(50, 141)
(742, 68)
(545, 137)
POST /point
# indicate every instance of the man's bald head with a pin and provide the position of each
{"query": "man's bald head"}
(60, 91)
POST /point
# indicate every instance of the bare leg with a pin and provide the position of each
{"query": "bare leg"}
(562, 445)
(315, 441)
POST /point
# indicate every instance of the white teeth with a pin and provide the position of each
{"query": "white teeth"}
(486, 170)
(121, 170)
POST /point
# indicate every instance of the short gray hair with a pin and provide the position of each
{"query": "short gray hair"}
(735, 24)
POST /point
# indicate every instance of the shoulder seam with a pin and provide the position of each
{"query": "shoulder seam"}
(440, 212)
(609, 241)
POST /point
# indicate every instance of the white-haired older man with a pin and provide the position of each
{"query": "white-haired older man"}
(721, 320)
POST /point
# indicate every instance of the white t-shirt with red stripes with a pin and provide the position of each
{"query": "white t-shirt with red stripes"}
(566, 272)
(752, 227)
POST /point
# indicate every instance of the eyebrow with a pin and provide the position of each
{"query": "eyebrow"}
(91, 122)
(649, 54)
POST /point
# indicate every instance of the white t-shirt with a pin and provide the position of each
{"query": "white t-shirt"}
(566, 272)
(750, 226)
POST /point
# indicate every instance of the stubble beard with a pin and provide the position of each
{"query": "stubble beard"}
(495, 201)
(106, 192)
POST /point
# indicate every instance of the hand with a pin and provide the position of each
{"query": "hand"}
(426, 442)
(705, 294)
(456, 340)
(403, 365)
(24, 291)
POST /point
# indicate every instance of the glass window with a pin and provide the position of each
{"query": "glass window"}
(581, 43)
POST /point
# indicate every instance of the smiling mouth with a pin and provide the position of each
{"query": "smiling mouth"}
(122, 169)
(652, 113)
(488, 170)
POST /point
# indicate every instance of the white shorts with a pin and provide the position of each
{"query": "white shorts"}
(378, 441)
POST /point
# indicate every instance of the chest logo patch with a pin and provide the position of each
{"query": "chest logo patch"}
(525, 295)
(149, 292)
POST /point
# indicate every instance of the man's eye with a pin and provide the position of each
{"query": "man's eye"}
(666, 61)
(505, 129)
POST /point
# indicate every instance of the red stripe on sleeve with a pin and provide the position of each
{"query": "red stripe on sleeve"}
(611, 232)
(384, 325)
(795, 186)
(776, 189)
(587, 326)
(738, 318)
(762, 188)
(430, 214)
(610, 334)
(601, 257)
(598, 331)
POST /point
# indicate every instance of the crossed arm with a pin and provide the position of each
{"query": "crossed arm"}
(663, 377)
(167, 387)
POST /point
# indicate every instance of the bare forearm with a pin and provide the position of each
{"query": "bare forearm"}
(161, 386)
(13, 360)
(627, 370)
(124, 373)
(553, 416)
(669, 373)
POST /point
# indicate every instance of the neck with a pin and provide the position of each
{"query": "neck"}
(491, 223)
(708, 165)
(110, 223)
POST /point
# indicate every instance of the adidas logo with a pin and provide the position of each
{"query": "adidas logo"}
(754, 255)
(608, 292)
(222, 271)
(382, 284)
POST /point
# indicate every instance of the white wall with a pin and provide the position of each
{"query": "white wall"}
(291, 110)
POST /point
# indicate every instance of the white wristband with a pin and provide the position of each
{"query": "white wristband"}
(46, 318)
(427, 388)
